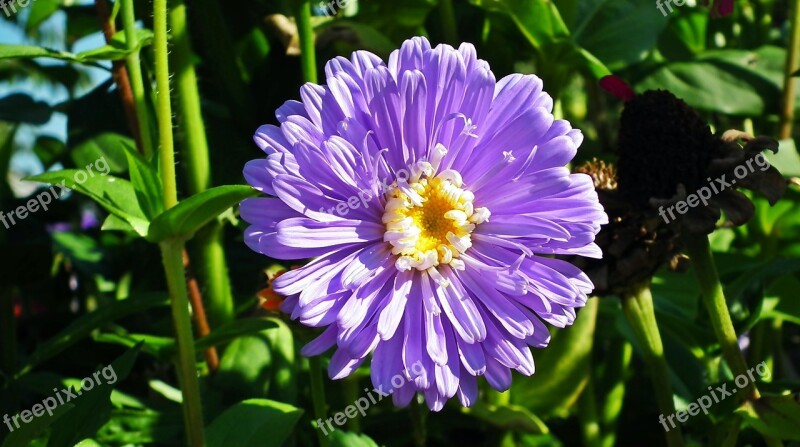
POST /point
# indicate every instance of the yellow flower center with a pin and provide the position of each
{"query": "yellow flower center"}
(429, 219)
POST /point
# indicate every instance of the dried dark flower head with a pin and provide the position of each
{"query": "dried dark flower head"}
(667, 154)
(662, 143)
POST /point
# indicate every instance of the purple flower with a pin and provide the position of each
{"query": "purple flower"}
(428, 193)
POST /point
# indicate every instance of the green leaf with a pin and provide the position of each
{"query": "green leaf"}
(160, 347)
(618, 32)
(117, 49)
(114, 194)
(562, 369)
(341, 438)
(775, 416)
(508, 417)
(92, 407)
(30, 52)
(146, 183)
(40, 11)
(232, 330)
(253, 423)
(107, 146)
(244, 369)
(538, 20)
(183, 220)
(84, 325)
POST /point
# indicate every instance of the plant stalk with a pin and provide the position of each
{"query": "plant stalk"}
(136, 81)
(714, 299)
(318, 396)
(172, 250)
(210, 258)
(306, 32)
(640, 313)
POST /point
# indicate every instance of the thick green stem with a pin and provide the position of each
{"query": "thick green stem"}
(306, 32)
(135, 73)
(792, 64)
(210, 264)
(172, 250)
(163, 106)
(172, 254)
(641, 315)
(318, 396)
(447, 18)
(714, 299)
(619, 360)
(190, 118)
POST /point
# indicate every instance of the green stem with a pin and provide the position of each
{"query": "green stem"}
(448, 21)
(350, 392)
(418, 421)
(306, 32)
(211, 263)
(318, 396)
(135, 73)
(640, 313)
(590, 426)
(172, 250)
(164, 108)
(190, 118)
(619, 361)
(714, 299)
(172, 254)
(790, 82)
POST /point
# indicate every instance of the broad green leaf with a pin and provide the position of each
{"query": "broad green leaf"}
(341, 438)
(232, 330)
(253, 423)
(183, 220)
(508, 417)
(244, 367)
(538, 20)
(84, 325)
(618, 32)
(775, 416)
(41, 10)
(114, 194)
(145, 182)
(562, 369)
(107, 146)
(93, 406)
